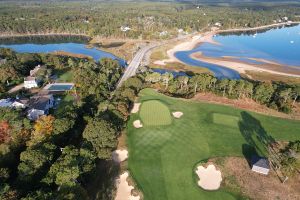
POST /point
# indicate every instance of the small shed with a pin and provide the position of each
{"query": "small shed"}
(260, 165)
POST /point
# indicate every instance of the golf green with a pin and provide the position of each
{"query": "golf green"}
(162, 158)
(155, 113)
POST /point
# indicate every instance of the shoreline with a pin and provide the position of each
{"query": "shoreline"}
(41, 34)
(241, 67)
(207, 37)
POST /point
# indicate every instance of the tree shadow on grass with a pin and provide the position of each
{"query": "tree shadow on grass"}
(248, 152)
(255, 135)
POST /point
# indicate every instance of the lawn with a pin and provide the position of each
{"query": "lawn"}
(64, 75)
(66, 100)
(162, 158)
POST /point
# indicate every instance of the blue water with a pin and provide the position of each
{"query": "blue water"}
(77, 48)
(281, 45)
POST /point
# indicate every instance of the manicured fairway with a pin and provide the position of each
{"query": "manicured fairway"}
(155, 113)
(227, 120)
(162, 157)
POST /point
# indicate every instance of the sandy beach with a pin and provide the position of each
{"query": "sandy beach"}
(229, 62)
(187, 45)
(242, 67)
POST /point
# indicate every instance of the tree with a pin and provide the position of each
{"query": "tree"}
(153, 77)
(102, 136)
(43, 128)
(129, 94)
(263, 92)
(4, 174)
(239, 88)
(223, 85)
(285, 94)
(134, 83)
(166, 78)
(231, 84)
(65, 171)
(34, 160)
(183, 80)
(295, 93)
(194, 81)
(4, 132)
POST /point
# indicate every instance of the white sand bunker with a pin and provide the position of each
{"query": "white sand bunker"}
(124, 189)
(119, 155)
(136, 108)
(210, 177)
(177, 114)
(137, 124)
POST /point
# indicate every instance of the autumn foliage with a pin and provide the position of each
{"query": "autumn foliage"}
(44, 126)
(4, 132)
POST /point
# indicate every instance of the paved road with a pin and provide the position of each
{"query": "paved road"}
(138, 58)
(16, 88)
(135, 63)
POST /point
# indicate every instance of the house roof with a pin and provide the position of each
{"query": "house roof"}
(22, 101)
(30, 78)
(260, 162)
(39, 102)
(5, 102)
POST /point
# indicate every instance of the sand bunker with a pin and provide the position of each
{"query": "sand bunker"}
(124, 189)
(136, 108)
(210, 177)
(137, 124)
(177, 114)
(119, 155)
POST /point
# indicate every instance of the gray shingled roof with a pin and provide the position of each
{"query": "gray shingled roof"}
(39, 102)
(260, 162)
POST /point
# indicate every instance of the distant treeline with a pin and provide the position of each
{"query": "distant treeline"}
(145, 19)
(44, 39)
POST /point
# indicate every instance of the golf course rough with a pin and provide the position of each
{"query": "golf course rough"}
(155, 113)
(163, 158)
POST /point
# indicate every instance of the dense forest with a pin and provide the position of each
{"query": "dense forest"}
(146, 20)
(61, 155)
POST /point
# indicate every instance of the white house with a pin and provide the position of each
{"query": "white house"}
(125, 28)
(260, 165)
(31, 82)
(218, 24)
(40, 105)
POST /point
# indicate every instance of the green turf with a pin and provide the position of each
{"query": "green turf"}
(155, 113)
(64, 75)
(162, 158)
(227, 120)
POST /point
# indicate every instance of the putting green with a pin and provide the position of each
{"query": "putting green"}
(227, 120)
(155, 113)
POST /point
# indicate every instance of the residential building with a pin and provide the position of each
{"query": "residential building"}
(39, 105)
(20, 103)
(125, 28)
(4, 103)
(31, 82)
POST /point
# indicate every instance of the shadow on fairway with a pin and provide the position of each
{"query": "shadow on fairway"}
(255, 135)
